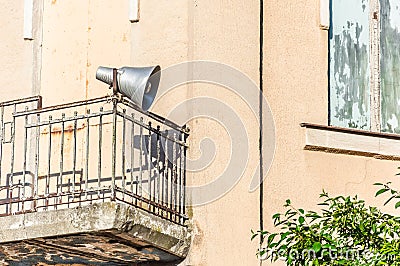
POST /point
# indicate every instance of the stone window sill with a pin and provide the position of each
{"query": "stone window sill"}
(332, 139)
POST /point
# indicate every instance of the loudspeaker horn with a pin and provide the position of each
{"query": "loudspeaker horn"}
(139, 84)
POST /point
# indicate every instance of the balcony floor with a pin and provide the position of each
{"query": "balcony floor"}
(98, 234)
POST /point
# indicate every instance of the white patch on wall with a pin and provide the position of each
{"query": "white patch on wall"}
(324, 15)
(28, 19)
(134, 10)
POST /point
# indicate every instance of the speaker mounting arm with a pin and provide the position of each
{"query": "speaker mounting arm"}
(115, 82)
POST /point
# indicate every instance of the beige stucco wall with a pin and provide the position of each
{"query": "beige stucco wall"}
(78, 36)
(16, 54)
(70, 40)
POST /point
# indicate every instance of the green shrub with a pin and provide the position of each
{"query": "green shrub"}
(344, 232)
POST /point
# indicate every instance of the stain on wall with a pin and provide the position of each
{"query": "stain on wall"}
(349, 64)
(390, 65)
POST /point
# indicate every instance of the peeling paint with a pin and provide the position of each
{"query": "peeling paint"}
(349, 64)
(390, 65)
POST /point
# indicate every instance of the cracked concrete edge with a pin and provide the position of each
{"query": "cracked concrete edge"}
(153, 229)
(120, 218)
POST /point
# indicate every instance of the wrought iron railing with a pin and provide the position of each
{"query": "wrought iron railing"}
(103, 149)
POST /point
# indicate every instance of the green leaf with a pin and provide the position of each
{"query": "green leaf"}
(301, 219)
(284, 235)
(271, 238)
(288, 201)
(383, 190)
(301, 211)
(397, 205)
(317, 246)
(327, 246)
(276, 216)
(361, 226)
(392, 197)
(273, 245)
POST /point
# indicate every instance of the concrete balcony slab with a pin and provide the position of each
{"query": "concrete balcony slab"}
(106, 233)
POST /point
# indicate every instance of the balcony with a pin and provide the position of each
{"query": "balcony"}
(91, 182)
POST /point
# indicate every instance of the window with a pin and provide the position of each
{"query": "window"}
(364, 64)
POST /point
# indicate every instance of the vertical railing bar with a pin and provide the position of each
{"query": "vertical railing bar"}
(166, 174)
(114, 149)
(123, 154)
(60, 176)
(37, 154)
(1, 139)
(100, 147)
(174, 176)
(178, 178)
(25, 154)
(171, 180)
(179, 185)
(87, 153)
(11, 176)
(184, 178)
(140, 159)
(114, 140)
(149, 169)
(182, 181)
(69, 191)
(158, 169)
(74, 152)
(19, 196)
(132, 146)
(81, 181)
(154, 172)
(47, 192)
